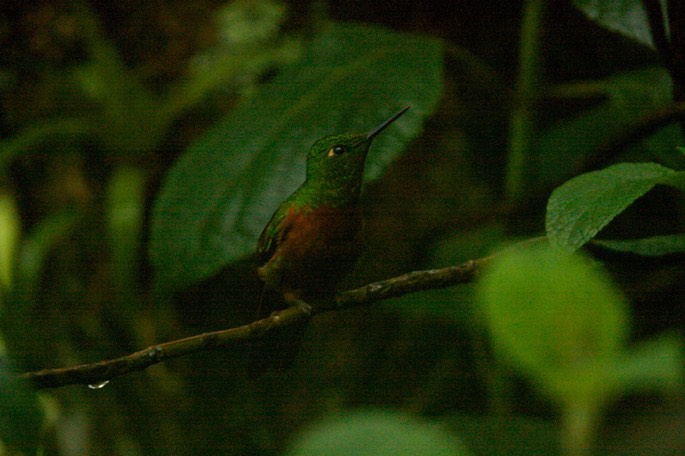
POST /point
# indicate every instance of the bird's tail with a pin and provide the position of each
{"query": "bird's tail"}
(276, 350)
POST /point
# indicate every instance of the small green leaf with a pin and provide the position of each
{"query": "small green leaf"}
(581, 207)
(220, 194)
(556, 317)
(624, 16)
(376, 433)
(651, 246)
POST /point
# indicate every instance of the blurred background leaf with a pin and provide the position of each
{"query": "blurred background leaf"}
(559, 320)
(550, 313)
(377, 433)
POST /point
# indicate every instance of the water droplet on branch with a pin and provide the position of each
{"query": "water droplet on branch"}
(97, 386)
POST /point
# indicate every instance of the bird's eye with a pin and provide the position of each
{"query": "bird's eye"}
(337, 150)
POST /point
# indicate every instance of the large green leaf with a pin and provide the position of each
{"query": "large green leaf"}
(581, 207)
(220, 194)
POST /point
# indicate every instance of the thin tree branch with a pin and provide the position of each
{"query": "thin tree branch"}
(103, 371)
(410, 282)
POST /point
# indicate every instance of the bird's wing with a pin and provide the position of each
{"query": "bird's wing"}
(274, 232)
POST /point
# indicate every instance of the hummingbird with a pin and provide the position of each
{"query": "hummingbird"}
(314, 237)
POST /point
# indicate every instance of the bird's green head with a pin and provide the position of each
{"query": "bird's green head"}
(335, 164)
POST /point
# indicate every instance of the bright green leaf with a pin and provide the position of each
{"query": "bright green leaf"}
(220, 194)
(555, 316)
(376, 433)
(581, 207)
(624, 16)
(651, 246)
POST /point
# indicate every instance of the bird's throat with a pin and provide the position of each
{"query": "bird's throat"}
(334, 194)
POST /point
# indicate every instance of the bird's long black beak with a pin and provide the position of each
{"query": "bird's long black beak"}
(373, 133)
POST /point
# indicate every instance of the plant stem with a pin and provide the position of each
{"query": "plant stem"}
(521, 124)
(579, 420)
